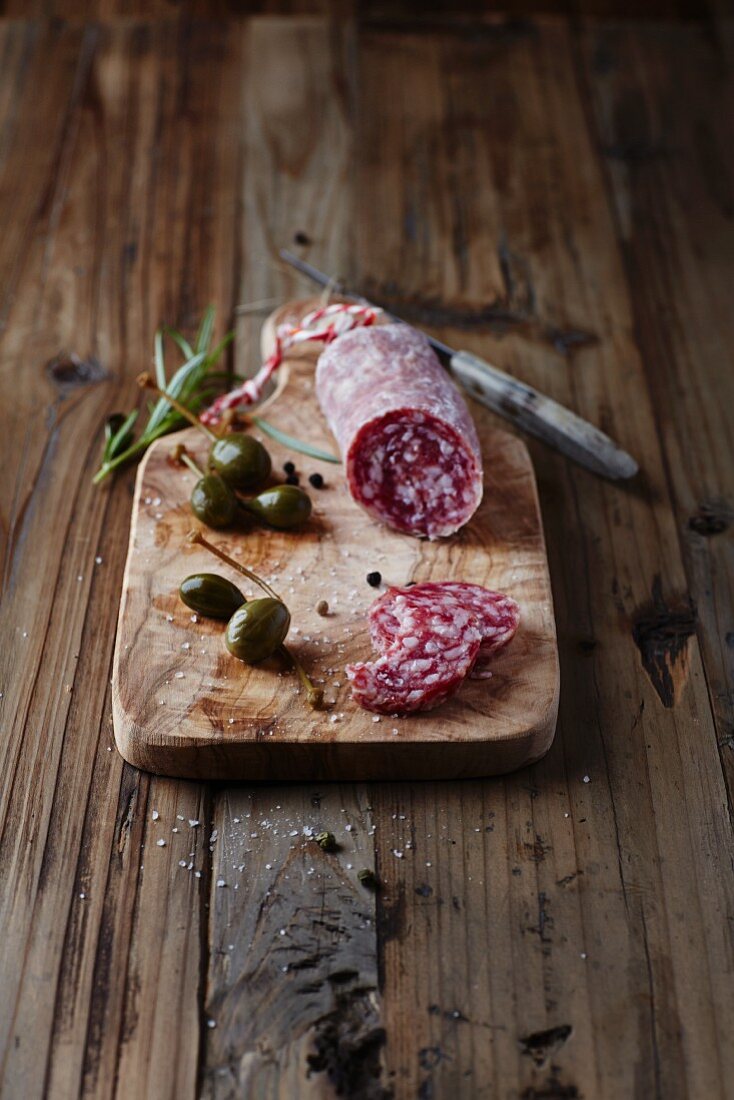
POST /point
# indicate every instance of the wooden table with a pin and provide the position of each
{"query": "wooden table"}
(556, 195)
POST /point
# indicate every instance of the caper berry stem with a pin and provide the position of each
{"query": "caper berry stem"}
(146, 383)
(196, 537)
(314, 695)
(186, 458)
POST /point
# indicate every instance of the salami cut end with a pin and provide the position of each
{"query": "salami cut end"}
(414, 472)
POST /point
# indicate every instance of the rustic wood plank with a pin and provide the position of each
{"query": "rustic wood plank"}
(669, 166)
(132, 129)
(592, 907)
(293, 975)
(304, 1031)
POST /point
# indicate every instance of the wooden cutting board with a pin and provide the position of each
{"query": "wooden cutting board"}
(183, 706)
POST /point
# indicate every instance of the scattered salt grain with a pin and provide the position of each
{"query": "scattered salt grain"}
(211, 1023)
(587, 779)
(155, 815)
(193, 822)
(161, 843)
(178, 675)
(221, 882)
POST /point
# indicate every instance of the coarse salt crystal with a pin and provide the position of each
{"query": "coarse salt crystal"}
(161, 843)
(155, 815)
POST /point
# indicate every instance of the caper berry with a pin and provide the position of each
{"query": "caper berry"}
(241, 461)
(326, 841)
(213, 502)
(257, 630)
(283, 506)
(211, 595)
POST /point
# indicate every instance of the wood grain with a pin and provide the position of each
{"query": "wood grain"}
(555, 196)
(183, 706)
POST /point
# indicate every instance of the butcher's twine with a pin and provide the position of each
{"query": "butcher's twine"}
(322, 325)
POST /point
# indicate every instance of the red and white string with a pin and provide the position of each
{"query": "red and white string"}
(322, 325)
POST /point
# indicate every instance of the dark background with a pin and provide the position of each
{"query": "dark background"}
(373, 11)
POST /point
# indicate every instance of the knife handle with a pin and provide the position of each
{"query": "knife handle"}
(542, 417)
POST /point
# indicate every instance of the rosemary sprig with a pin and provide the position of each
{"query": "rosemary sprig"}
(191, 385)
(292, 442)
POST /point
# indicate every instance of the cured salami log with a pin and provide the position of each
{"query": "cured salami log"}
(430, 638)
(408, 442)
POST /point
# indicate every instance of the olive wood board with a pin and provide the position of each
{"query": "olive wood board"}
(183, 706)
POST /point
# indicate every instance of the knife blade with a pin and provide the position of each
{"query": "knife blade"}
(521, 404)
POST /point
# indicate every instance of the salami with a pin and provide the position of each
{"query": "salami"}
(498, 616)
(430, 637)
(408, 442)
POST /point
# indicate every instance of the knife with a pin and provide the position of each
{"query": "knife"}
(525, 407)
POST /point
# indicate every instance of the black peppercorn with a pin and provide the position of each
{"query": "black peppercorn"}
(289, 467)
(374, 579)
(292, 479)
(316, 480)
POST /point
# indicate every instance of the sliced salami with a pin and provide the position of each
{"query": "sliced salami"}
(430, 653)
(498, 615)
(409, 445)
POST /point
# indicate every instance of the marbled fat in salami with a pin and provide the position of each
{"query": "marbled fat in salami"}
(430, 638)
(425, 662)
(498, 615)
(408, 442)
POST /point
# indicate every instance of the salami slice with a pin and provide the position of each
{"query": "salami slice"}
(430, 654)
(498, 616)
(408, 442)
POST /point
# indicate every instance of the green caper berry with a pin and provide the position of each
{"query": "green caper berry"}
(367, 878)
(241, 461)
(213, 502)
(283, 506)
(326, 841)
(257, 630)
(211, 595)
